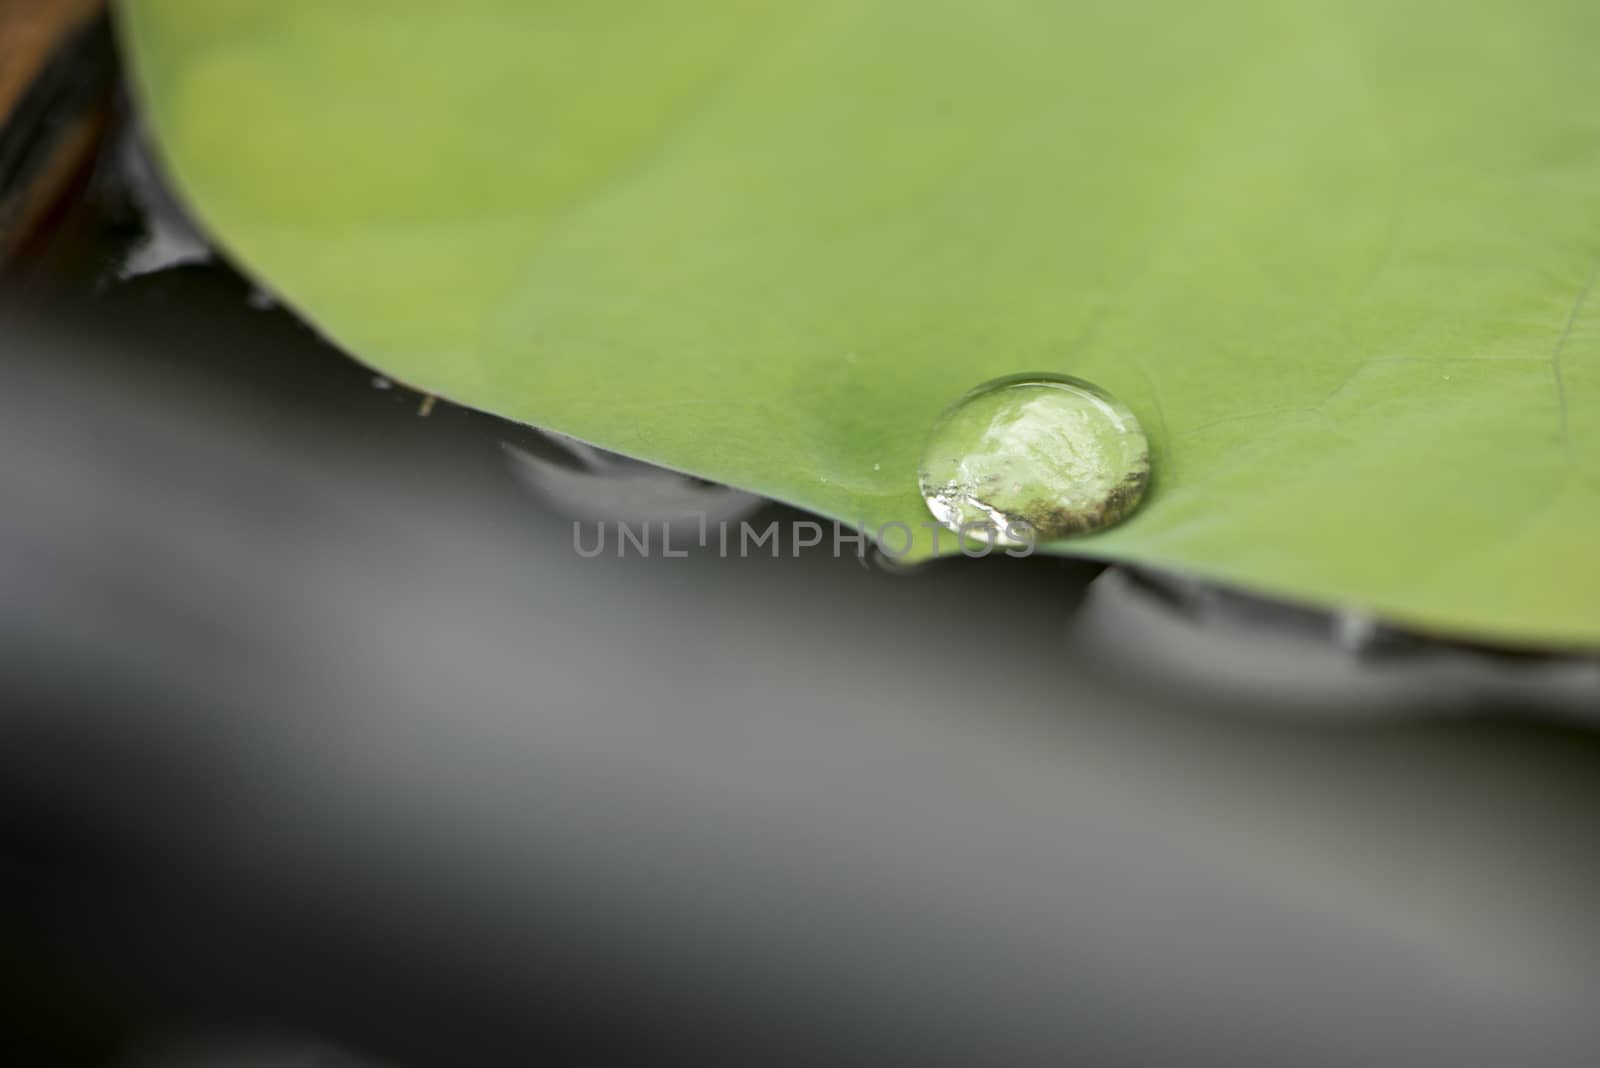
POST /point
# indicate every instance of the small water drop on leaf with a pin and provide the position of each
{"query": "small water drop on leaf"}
(1034, 457)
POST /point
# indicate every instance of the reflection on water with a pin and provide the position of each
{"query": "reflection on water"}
(1188, 636)
(587, 483)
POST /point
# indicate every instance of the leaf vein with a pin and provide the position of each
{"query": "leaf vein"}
(1561, 343)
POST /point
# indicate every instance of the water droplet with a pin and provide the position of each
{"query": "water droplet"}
(1034, 457)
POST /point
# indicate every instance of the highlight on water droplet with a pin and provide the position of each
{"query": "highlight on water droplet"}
(1034, 457)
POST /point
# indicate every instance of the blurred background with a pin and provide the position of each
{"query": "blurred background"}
(320, 744)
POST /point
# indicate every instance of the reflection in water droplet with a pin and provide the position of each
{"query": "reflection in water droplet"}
(1042, 456)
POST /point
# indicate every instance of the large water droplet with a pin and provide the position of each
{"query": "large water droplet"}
(1040, 455)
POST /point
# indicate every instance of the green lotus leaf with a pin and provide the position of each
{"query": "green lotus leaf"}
(1337, 258)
